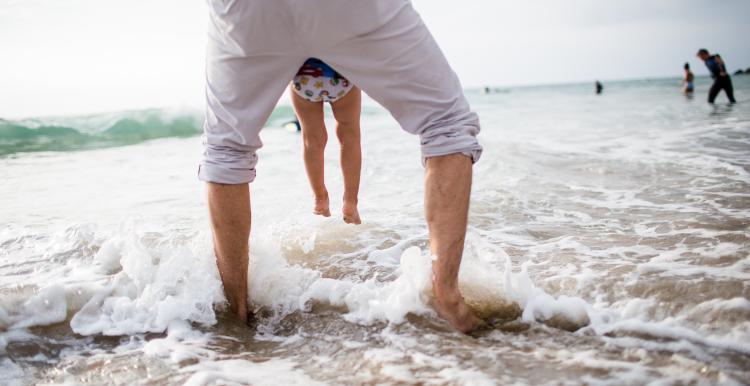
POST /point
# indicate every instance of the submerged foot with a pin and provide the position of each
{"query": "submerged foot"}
(321, 206)
(350, 212)
(452, 307)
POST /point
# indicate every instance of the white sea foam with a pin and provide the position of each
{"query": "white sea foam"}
(11, 374)
(239, 371)
(148, 287)
(156, 286)
(47, 307)
(181, 343)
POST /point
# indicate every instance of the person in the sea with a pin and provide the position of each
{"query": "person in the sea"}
(256, 47)
(314, 84)
(687, 80)
(718, 70)
(598, 87)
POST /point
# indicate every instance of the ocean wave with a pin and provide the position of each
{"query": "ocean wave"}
(107, 130)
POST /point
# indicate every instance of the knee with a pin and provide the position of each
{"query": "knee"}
(347, 133)
(316, 140)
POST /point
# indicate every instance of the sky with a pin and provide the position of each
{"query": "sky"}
(64, 57)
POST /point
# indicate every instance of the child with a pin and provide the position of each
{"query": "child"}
(314, 84)
(687, 81)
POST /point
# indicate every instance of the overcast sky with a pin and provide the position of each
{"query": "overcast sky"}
(81, 56)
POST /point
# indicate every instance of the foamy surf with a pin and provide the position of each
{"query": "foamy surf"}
(143, 283)
(140, 282)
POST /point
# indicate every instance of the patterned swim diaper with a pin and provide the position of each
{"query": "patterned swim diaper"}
(318, 82)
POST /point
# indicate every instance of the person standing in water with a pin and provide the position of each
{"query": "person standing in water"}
(315, 84)
(599, 88)
(255, 47)
(719, 73)
(687, 81)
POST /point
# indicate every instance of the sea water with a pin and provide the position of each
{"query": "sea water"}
(608, 243)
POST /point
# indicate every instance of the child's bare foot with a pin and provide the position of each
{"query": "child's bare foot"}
(321, 206)
(350, 212)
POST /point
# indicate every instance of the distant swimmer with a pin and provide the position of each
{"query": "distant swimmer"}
(599, 87)
(718, 69)
(687, 81)
(487, 90)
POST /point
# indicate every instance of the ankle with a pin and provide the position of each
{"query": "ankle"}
(445, 288)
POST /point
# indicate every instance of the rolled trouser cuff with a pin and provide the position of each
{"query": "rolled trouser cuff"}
(474, 155)
(225, 165)
(461, 141)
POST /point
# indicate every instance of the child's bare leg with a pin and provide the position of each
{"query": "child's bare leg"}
(347, 113)
(314, 136)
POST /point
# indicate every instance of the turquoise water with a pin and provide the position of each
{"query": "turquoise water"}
(17, 137)
(608, 242)
(105, 130)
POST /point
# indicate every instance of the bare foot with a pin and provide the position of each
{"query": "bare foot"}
(321, 206)
(452, 307)
(350, 212)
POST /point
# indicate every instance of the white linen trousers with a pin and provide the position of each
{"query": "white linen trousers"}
(256, 47)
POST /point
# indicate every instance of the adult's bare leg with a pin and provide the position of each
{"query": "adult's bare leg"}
(447, 191)
(229, 207)
(347, 112)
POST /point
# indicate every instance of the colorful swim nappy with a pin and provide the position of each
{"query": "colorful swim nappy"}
(318, 82)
